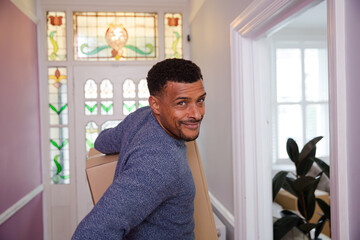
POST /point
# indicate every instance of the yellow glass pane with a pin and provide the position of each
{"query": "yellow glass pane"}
(56, 36)
(173, 35)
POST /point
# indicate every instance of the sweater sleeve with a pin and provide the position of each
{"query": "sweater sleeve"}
(109, 140)
(146, 182)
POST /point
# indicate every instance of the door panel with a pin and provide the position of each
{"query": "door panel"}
(102, 107)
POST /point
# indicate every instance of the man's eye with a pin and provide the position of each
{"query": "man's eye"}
(181, 103)
(202, 100)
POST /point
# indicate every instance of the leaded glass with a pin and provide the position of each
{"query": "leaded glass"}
(173, 35)
(56, 36)
(109, 124)
(143, 91)
(59, 155)
(91, 108)
(90, 89)
(129, 107)
(143, 103)
(129, 89)
(91, 134)
(58, 100)
(106, 89)
(111, 36)
(107, 108)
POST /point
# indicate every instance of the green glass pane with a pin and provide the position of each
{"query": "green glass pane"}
(91, 133)
(58, 99)
(129, 107)
(107, 108)
(90, 108)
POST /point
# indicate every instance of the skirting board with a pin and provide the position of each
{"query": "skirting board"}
(20, 204)
(222, 210)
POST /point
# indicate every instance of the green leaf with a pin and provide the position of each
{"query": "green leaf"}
(65, 177)
(292, 150)
(324, 207)
(89, 143)
(62, 144)
(278, 182)
(129, 108)
(55, 110)
(283, 225)
(309, 148)
(91, 109)
(106, 109)
(324, 167)
(58, 166)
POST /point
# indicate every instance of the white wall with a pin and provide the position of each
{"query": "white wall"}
(210, 49)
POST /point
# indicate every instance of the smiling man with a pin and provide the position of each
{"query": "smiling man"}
(152, 194)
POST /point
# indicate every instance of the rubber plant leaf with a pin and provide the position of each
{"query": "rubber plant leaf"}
(324, 207)
(308, 148)
(283, 225)
(324, 167)
(306, 199)
(305, 164)
(278, 182)
(319, 226)
(289, 186)
(292, 150)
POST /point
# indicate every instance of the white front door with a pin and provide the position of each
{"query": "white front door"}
(104, 95)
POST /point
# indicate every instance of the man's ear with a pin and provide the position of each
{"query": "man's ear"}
(154, 104)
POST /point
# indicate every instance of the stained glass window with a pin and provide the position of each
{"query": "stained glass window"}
(106, 92)
(143, 91)
(129, 107)
(109, 124)
(111, 36)
(58, 123)
(90, 89)
(92, 132)
(129, 89)
(173, 35)
(91, 108)
(56, 36)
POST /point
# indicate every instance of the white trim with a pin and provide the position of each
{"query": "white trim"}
(20, 204)
(338, 127)
(249, 164)
(28, 8)
(222, 210)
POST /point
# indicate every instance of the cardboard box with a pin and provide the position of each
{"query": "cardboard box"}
(100, 171)
(289, 202)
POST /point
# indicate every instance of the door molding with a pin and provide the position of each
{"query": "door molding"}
(252, 175)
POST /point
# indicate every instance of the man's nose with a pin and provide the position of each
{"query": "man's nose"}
(195, 112)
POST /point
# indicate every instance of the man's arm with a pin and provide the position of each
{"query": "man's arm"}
(135, 194)
(109, 140)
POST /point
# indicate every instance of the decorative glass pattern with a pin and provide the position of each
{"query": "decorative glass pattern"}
(173, 35)
(58, 123)
(143, 91)
(92, 133)
(90, 89)
(129, 107)
(91, 108)
(58, 100)
(107, 108)
(110, 124)
(143, 103)
(56, 36)
(111, 36)
(106, 89)
(59, 155)
(129, 89)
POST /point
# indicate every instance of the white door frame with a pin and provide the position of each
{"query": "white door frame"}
(252, 171)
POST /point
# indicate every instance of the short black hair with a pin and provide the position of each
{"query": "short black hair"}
(175, 70)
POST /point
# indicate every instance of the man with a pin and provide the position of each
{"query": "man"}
(152, 195)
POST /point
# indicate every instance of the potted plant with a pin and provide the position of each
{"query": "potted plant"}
(303, 188)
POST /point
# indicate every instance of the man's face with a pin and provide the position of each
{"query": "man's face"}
(180, 109)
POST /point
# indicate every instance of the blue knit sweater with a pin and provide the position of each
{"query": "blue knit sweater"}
(152, 195)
